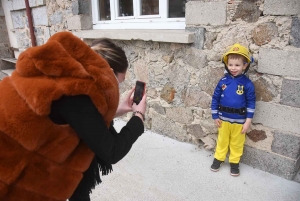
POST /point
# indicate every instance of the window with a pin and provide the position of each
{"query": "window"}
(138, 14)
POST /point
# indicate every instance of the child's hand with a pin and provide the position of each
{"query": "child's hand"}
(218, 122)
(246, 125)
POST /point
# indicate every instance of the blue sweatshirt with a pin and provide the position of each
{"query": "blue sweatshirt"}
(234, 92)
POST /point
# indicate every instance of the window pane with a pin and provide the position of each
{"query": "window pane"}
(125, 8)
(177, 8)
(104, 10)
(150, 7)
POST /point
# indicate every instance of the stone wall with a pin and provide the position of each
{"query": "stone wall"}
(270, 29)
(5, 50)
(181, 77)
(49, 17)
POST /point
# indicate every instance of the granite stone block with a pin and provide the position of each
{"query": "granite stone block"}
(279, 62)
(199, 36)
(278, 116)
(286, 144)
(39, 15)
(279, 7)
(295, 32)
(270, 162)
(18, 19)
(200, 13)
(290, 93)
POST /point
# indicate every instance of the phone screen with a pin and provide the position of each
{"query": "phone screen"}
(139, 91)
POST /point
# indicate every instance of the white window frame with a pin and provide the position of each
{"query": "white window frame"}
(137, 21)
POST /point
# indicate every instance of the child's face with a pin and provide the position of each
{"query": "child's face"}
(236, 66)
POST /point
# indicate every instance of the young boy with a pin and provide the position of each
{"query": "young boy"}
(233, 105)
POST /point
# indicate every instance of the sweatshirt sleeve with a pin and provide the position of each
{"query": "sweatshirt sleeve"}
(216, 101)
(82, 115)
(250, 98)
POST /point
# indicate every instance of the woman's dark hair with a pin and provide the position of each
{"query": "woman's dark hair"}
(113, 54)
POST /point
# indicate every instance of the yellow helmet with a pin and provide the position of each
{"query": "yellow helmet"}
(237, 49)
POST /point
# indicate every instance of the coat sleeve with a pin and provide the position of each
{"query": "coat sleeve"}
(82, 115)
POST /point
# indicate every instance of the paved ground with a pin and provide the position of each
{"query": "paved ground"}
(161, 169)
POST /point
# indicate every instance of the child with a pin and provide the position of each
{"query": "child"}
(233, 105)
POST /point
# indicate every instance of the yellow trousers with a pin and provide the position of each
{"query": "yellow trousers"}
(230, 137)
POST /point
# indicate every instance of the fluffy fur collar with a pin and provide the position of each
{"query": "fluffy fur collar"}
(65, 66)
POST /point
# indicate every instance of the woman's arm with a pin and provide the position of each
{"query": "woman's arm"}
(82, 115)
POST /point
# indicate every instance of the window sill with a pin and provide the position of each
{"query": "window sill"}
(170, 36)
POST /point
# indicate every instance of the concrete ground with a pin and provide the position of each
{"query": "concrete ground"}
(162, 169)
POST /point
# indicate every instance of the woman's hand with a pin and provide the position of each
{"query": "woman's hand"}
(141, 107)
(126, 105)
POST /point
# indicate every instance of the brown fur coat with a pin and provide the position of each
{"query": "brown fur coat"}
(40, 160)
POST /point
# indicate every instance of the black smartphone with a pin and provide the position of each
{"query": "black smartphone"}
(139, 91)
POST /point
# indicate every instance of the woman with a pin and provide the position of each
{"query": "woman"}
(56, 110)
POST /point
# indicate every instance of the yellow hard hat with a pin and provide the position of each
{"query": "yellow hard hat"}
(237, 49)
